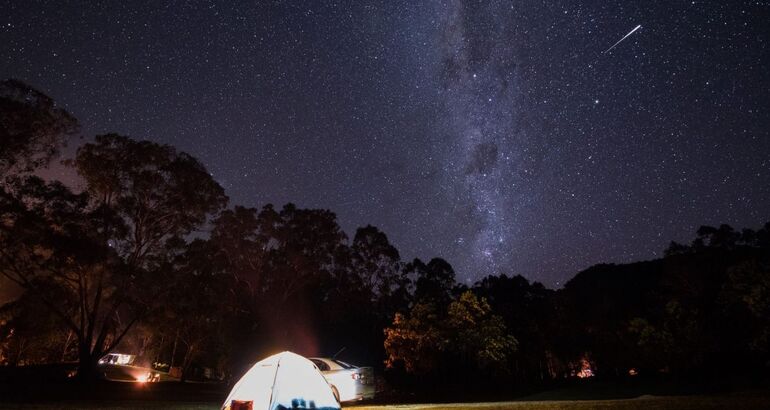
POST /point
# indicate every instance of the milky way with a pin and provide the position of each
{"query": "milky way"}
(479, 89)
(495, 134)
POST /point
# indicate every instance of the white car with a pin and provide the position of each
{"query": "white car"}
(349, 383)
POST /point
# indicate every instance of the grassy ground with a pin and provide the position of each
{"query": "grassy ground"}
(647, 403)
(108, 405)
(570, 396)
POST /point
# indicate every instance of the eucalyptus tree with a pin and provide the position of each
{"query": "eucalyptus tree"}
(32, 127)
(100, 260)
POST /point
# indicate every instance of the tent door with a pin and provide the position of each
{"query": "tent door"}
(242, 405)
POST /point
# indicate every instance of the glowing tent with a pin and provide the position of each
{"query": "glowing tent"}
(280, 382)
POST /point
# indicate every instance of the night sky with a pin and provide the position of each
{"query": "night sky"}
(497, 134)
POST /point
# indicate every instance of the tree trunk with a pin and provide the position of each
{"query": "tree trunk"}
(66, 346)
(156, 358)
(87, 364)
(186, 363)
(173, 350)
(19, 353)
(145, 342)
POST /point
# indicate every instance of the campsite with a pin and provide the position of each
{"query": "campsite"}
(384, 204)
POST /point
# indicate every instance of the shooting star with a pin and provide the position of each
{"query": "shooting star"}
(624, 37)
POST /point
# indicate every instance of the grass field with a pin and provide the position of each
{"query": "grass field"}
(109, 405)
(646, 403)
(571, 396)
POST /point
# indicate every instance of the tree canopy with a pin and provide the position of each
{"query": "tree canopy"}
(32, 127)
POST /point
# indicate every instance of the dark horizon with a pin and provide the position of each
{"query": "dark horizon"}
(498, 136)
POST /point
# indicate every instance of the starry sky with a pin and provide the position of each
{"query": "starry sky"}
(496, 134)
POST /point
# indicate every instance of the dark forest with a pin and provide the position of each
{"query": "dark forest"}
(147, 256)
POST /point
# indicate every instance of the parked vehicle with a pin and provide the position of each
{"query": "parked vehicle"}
(120, 367)
(349, 383)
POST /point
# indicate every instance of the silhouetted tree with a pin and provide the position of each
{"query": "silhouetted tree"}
(364, 296)
(240, 242)
(159, 193)
(702, 307)
(593, 312)
(527, 309)
(32, 127)
(201, 306)
(50, 245)
(746, 293)
(288, 259)
(29, 334)
(378, 266)
(93, 258)
(433, 281)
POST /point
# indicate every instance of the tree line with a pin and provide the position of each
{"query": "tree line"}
(148, 257)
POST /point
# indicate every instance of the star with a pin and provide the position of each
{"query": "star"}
(461, 130)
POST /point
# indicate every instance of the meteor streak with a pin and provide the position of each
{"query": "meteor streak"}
(624, 37)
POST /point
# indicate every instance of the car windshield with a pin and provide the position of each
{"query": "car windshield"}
(321, 365)
(343, 364)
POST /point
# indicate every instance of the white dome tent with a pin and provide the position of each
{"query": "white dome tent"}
(283, 381)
